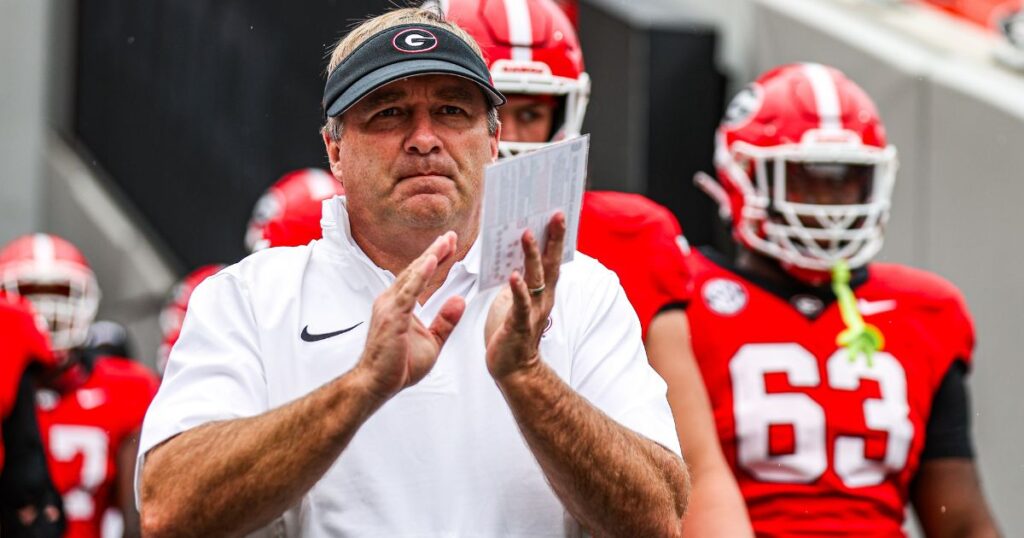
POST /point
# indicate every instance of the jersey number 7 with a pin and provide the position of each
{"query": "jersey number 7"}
(66, 442)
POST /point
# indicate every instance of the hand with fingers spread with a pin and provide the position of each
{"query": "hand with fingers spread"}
(400, 350)
(519, 313)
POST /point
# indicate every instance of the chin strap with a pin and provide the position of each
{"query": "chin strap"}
(858, 338)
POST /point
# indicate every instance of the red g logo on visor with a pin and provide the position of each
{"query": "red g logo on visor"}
(414, 40)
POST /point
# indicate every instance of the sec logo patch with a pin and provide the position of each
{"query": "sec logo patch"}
(414, 40)
(724, 297)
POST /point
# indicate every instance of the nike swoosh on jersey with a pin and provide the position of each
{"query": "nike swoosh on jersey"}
(308, 337)
(870, 308)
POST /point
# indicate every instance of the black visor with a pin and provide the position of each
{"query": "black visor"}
(401, 52)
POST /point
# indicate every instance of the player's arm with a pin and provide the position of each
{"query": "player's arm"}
(716, 505)
(29, 503)
(125, 475)
(946, 491)
(614, 481)
(230, 477)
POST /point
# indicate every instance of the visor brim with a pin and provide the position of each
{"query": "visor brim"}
(408, 68)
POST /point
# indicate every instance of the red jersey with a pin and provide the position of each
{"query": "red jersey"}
(821, 445)
(21, 343)
(83, 430)
(642, 243)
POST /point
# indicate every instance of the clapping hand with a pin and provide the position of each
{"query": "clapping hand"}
(519, 313)
(400, 350)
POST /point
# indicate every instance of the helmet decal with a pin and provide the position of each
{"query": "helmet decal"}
(288, 213)
(743, 106)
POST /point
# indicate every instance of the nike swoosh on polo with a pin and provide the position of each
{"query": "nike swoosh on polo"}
(870, 308)
(307, 337)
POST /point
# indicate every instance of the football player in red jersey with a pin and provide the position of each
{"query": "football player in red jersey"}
(172, 315)
(536, 61)
(92, 408)
(288, 213)
(837, 384)
(29, 503)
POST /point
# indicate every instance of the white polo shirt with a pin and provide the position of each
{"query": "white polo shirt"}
(443, 458)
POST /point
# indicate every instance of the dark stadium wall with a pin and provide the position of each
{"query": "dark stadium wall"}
(656, 102)
(194, 108)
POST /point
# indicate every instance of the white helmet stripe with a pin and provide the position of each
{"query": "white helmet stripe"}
(43, 250)
(826, 96)
(444, 6)
(520, 30)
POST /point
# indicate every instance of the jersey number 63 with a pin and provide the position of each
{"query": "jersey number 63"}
(756, 410)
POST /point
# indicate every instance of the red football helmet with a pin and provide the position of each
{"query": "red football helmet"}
(288, 214)
(55, 276)
(571, 9)
(531, 48)
(805, 168)
(172, 315)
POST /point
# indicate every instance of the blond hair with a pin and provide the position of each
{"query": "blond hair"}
(430, 14)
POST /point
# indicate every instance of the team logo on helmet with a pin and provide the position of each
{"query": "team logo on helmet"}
(414, 40)
(724, 297)
(743, 106)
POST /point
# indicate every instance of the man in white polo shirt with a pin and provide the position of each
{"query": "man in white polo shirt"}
(363, 386)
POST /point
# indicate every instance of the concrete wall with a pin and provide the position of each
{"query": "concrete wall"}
(23, 101)
(958, 121)
(133, 275)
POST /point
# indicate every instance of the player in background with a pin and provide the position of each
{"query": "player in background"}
(91, 408)
(172, 315)
(288, 213)
(29, 502)
(536, 61)
(838, 384)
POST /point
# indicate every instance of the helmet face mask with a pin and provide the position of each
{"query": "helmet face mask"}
(54, 276)
(808, 193)
(814, 235)
(535, 78)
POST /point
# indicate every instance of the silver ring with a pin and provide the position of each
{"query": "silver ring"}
(537, 291)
